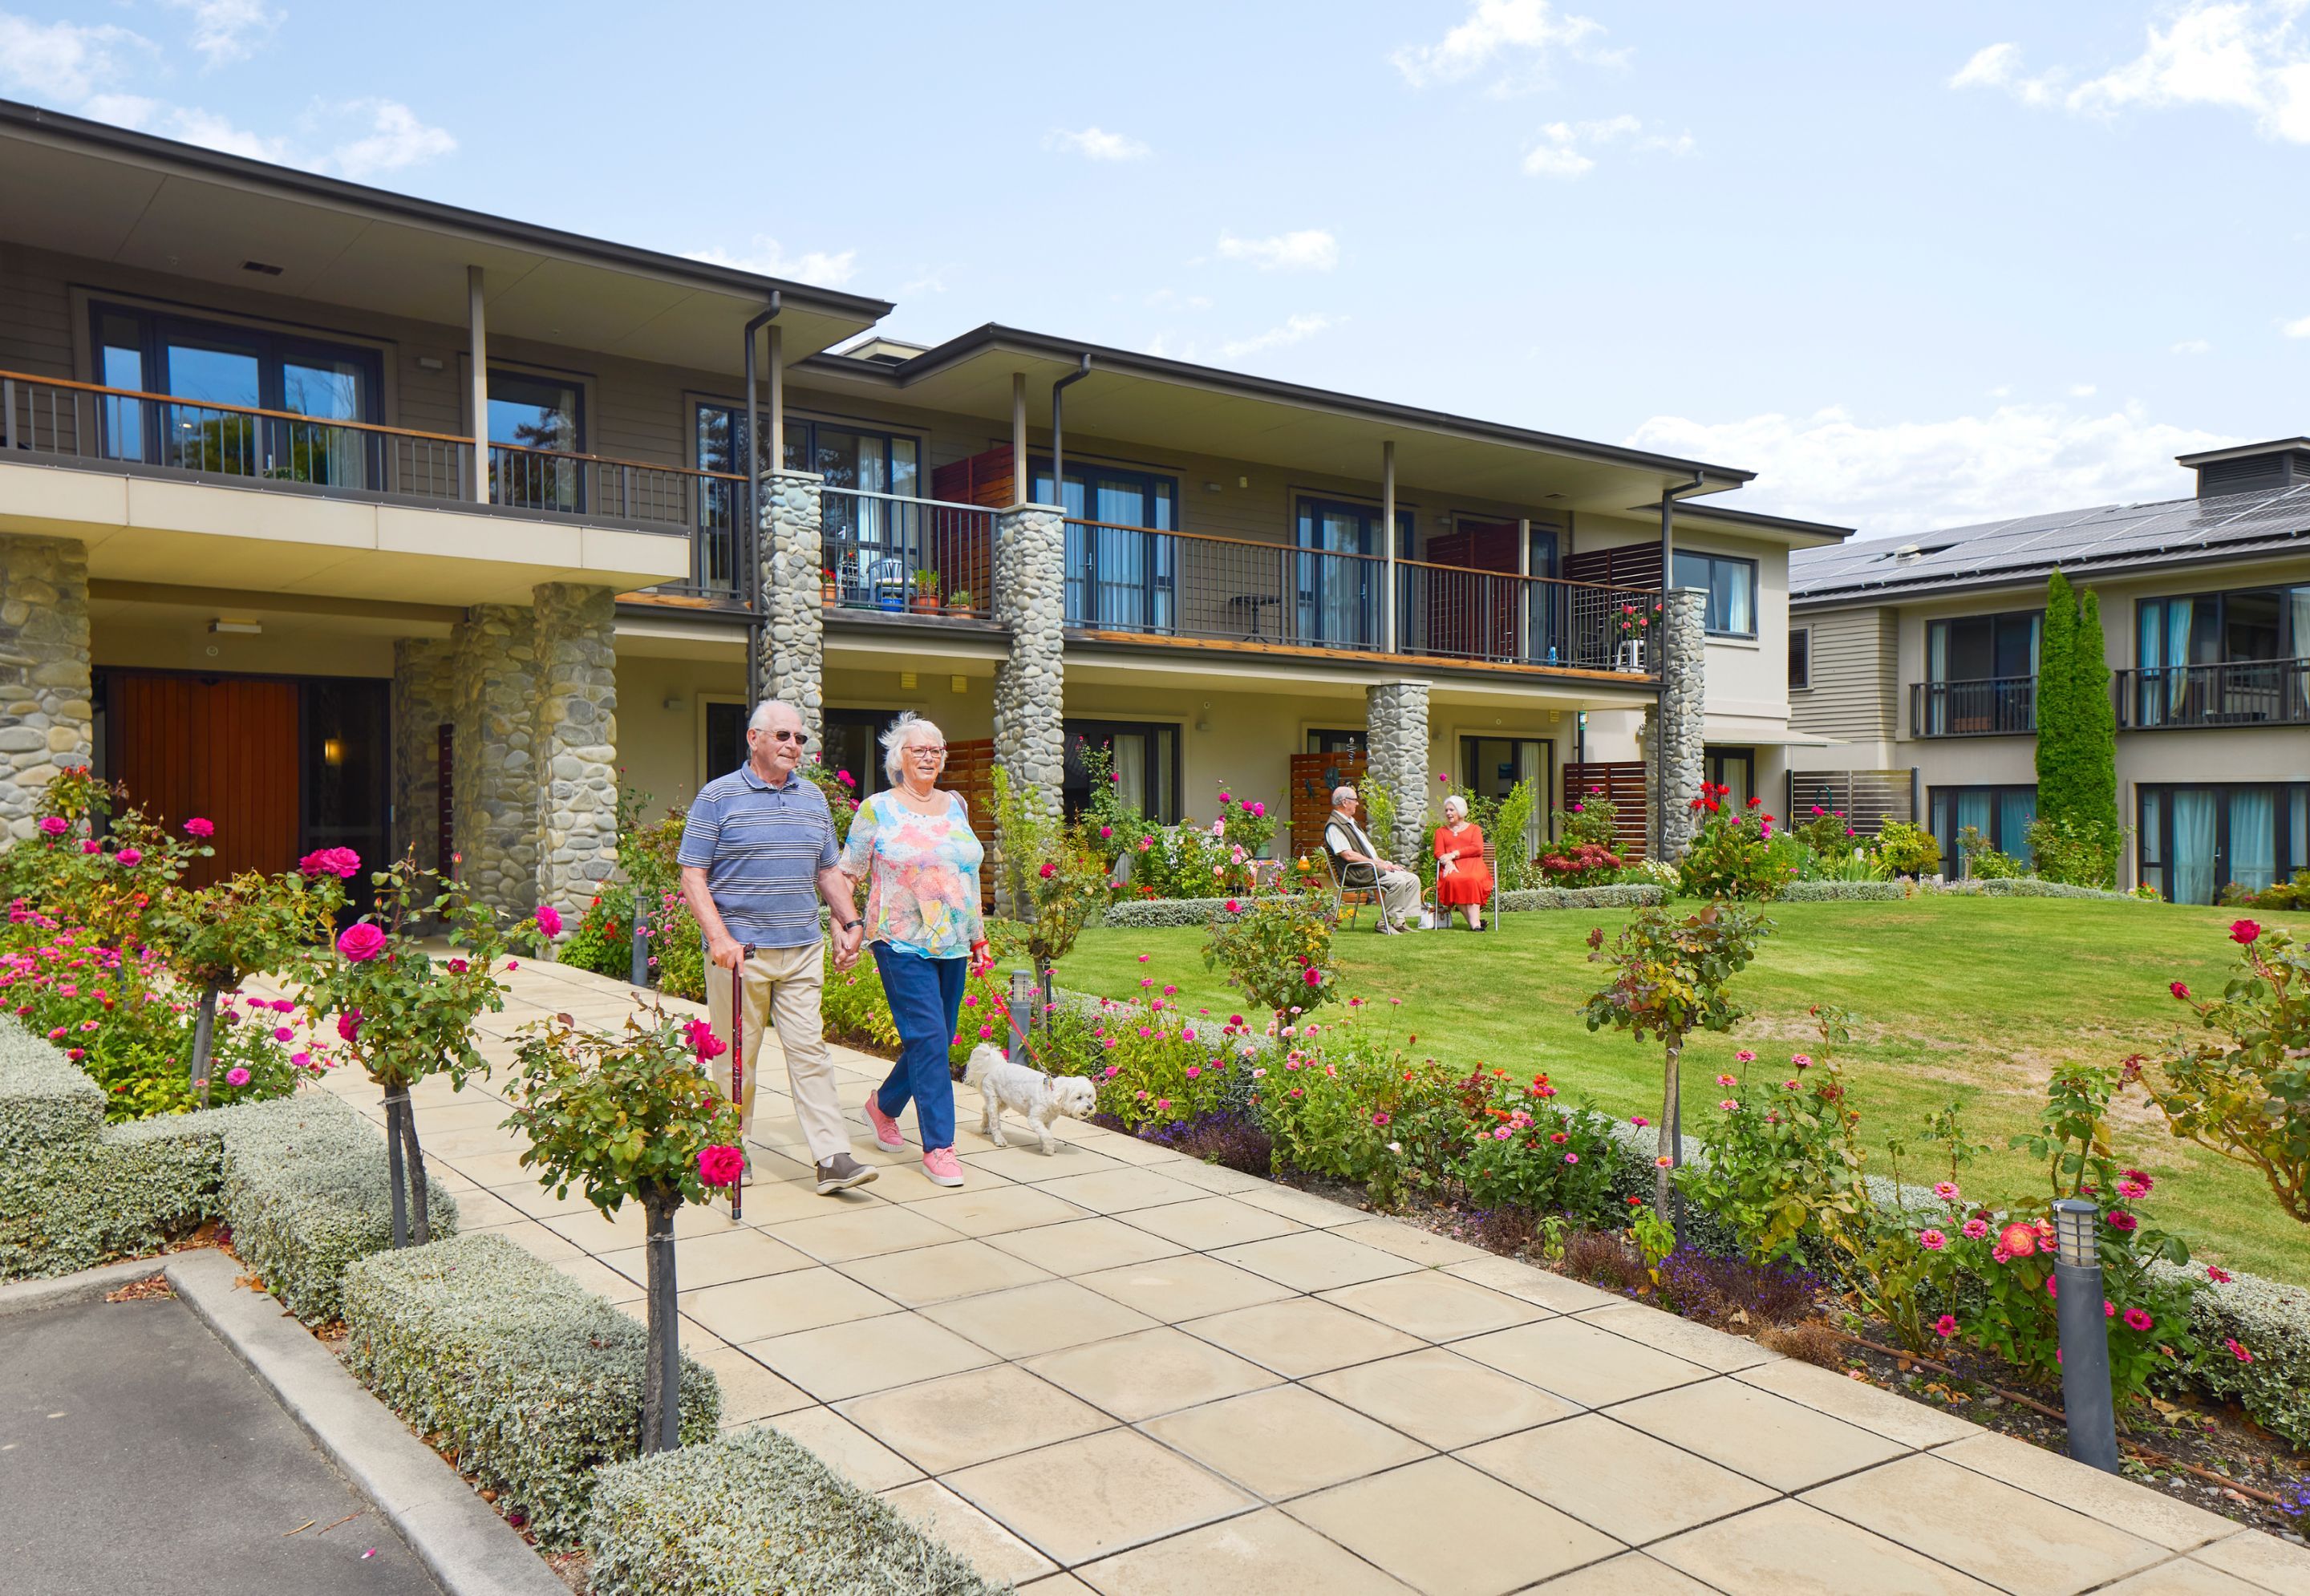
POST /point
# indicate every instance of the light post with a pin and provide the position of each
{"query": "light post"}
(1022, 1008)
(2084, 1333)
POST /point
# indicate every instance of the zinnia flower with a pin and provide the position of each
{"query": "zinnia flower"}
(2018, 1240)
(1640, 1120)
(1945, 1191)
(1931, 1240)
(237, 1076)
(1726, 1081)
(1975, 1229)
(720, 1166)
(2218, 1275)
(197, 826)
(282, 1033)
(2122, 1222)
(549, 919)
(1802, 1060)
(361, 942)
(1380, 1118)
(2138, 1319)
(1746, 1056)
(2236, 1351)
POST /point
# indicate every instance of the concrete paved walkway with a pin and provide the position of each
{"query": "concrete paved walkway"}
(1115, 1370)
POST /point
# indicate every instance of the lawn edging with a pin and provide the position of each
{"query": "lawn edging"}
(465, 1547)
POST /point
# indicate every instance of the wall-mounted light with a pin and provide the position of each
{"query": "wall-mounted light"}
(243, 628)
(958, 684)
(431, 363)
(1212, 488)
(333, 751)
(906, 681)
(673, 705)
(1243, 481)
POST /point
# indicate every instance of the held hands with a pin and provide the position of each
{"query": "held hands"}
(846, 945)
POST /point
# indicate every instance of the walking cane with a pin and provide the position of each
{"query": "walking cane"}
(738, 1072)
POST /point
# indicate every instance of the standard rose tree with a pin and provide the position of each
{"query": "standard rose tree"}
(632, 1114)
(405, 1014)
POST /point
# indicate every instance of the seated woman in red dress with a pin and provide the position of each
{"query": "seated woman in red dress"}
(1463, 879)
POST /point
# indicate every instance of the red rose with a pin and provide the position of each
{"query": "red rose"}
(2244, 933)
(2179, 991)
(361, 942)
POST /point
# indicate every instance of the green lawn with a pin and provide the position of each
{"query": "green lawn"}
(1953, 997)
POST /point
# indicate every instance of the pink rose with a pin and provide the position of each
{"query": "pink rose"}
(361, 942)
(1946, 1325)
(197, 826)
(54, 825)
(349, 1023)
(720, 1166)
(549, 919)
(89, 845)
(237, 1076)
(703, 1042)
(341, 862)
(457, 966)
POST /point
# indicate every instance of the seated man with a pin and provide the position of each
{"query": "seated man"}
(1359, 868)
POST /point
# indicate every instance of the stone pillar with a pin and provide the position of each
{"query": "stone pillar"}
(1030, 685)
(46, 717)
(424, 679)
(793, 626)
(498, 773)
(1395, 755)
(577, 744)
(1678, 731)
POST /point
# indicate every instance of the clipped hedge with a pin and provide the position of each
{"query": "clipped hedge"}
(306, 1192)
(1843, 892)
(2272, 1321)
(526, 1378)
(1150, 912)
(754, 1514)
(2028, 887)
(1147, 913)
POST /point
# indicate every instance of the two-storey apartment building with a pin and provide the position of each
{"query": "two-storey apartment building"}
(1919, 656)
(344, 517)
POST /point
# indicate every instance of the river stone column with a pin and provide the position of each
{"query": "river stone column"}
(1030, 685)
(497, 771)
(1395, 755)
(424, 700)
(793, 626)
(1680, 732)
(46, 717)
(577, 744)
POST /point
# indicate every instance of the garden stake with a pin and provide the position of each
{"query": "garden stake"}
(393, 1168)
(2086, 1399)
(738, 1072)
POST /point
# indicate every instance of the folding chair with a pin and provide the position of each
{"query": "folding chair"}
(1344, 897)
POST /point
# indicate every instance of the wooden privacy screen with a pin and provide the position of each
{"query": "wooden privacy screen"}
(1313, 777)
(1623, 783)
(1631, 564)
(970, 772)
(1869, 798)
(222, 748)
(958, 545)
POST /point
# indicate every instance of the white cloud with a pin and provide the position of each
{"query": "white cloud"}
(212, 131)
(2083, 390)
(2237, 55)
(2191, 346)
(1093, 144)
(826, 269)
(1520, 35)
(1907, 477)
(1311, 249)
(228, 30)
(63, 62)
(395, 139)
(1292, 331)
(1564, 147)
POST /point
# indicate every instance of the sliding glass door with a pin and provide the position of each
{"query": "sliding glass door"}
(2197, 841)
(1120, 576)
(1338, 597)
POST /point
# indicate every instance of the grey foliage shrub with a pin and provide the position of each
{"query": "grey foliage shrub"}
(754, 1514)
(305, 1193)
(2271, 1321)
(2028, 887)
(1625, 895)
(1843, 892)
(531, 1380)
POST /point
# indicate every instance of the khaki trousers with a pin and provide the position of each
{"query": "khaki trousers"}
(782, 986)
(1399, 898)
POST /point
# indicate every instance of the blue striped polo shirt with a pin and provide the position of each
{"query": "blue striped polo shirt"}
(761, 848)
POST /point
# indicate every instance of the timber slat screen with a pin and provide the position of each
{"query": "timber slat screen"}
(970, 772)
(1622, 782)
(1869, 798)
(1313, 777)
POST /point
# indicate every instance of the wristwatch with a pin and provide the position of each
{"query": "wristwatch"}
(850, 924)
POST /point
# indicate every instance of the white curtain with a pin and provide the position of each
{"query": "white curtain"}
(2254, 837)
(2192, 868)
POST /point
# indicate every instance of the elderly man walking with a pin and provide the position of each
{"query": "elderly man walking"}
(1359, 866)
(757, 855)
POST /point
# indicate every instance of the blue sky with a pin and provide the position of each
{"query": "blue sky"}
(1914, 266)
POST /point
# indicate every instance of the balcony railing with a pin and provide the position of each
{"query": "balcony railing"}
(76, 421)
(2240, 693)
(919, 555)
(1146, 581)
(1988, 706)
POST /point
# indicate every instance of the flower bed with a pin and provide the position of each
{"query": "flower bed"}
(752, 1512)
(529, 1380)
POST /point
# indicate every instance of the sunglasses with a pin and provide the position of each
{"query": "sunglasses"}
(797, 738)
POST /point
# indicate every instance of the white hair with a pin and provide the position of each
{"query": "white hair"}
(1453, 804)
(1341, 793)
(760, 720)
(902, 736)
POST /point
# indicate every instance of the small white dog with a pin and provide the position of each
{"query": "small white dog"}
(1025, 1091)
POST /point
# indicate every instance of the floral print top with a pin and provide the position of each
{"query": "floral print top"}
(922, 873)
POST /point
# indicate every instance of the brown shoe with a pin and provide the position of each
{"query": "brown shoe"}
(842, 1172)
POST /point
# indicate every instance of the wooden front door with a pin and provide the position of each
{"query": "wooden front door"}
(224, 747)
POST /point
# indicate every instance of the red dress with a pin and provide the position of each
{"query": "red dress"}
(1468, 880)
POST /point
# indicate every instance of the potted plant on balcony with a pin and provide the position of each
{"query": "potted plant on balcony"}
(926, 593)
(961, 601)
(829, 592)
(1632, 626)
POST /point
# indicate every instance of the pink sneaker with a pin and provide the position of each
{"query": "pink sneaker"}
(940, 1164)
(885, 1128)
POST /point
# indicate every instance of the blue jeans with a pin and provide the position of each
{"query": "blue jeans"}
(926, 997)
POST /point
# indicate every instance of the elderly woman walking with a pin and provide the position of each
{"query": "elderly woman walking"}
(1463, 879)
(913, 846)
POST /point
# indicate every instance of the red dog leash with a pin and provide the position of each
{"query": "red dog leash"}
(738, 1070)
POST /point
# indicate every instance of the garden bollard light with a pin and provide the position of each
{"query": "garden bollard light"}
(638, 970)
(2086, 1399)
(1022, 1009)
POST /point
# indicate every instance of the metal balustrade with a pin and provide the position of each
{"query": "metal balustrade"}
(1987, 706)
(2237, 693)
(897, 555)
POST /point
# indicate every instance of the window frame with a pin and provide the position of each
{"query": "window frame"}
(1086, 727)
(1092, 542)
(1939, 624)
(1800, 652)
(1714, 557)
(1953, 863)
(2290, 845)
(2290, 646)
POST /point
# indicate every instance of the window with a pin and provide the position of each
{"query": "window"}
(1337, 595)
(725, 739)
(2222, 658)
(212, 365)
(534, 423)
(1336, 740)
(2196, 840)
(1981, 675)
(1146, 758)
(2001, 814)
(1736, 768)
(860, 532)
(853, 742)
(1491, 767)
(1731, 586)
(1800, 659)
(1118, 577)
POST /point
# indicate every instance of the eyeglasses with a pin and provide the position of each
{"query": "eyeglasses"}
(797, 738)
(924, 750)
